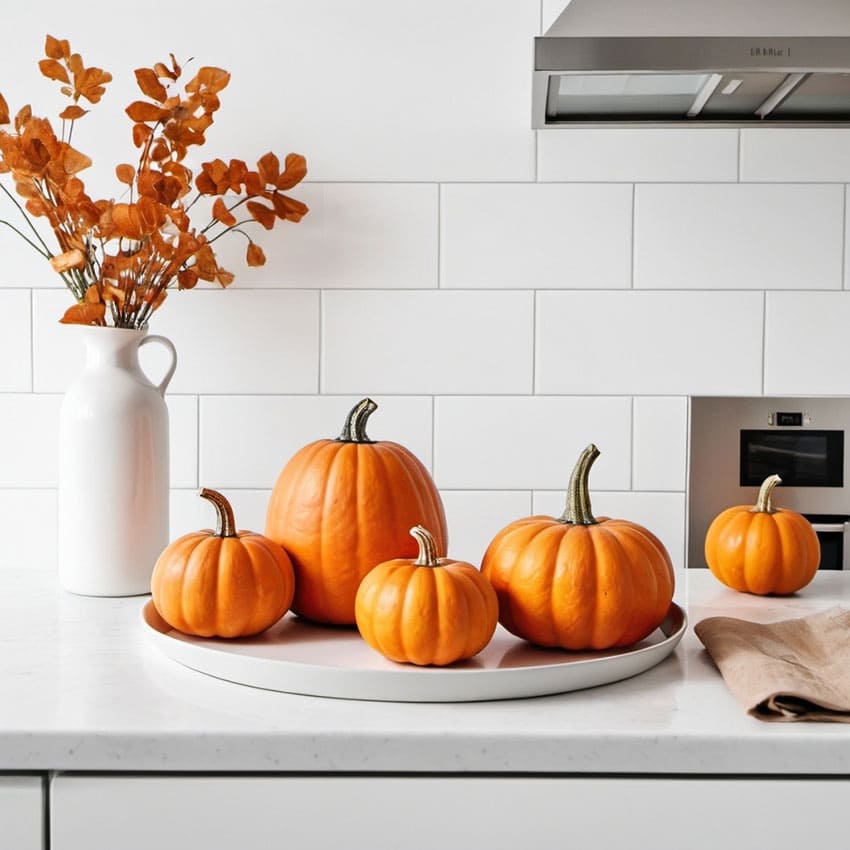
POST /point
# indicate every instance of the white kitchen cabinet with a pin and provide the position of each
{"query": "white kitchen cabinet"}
(21, 812)
(221, 812)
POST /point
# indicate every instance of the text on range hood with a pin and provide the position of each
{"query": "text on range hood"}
(702, 62)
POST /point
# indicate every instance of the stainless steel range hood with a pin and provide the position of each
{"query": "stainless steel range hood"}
(695, 62)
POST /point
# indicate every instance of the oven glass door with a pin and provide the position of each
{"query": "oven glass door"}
(831, 531)
(801, 458)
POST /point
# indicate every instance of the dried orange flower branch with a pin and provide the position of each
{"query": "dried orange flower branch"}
(119, 258)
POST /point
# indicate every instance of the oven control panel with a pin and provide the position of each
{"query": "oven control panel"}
(788, 419)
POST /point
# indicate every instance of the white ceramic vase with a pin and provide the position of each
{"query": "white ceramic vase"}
(113, 472)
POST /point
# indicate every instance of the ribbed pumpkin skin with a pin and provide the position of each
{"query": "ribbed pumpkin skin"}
(758, 552)
(426, 615)
(579, 586)
(228, 587)
(339, 508)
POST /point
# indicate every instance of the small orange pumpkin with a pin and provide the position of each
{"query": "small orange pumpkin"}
(341, 506)
(579, 582)
(222, 583)
(761, 549)
(429, 610)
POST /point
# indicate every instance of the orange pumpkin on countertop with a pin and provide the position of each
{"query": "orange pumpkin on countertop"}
(761, 549)
(222, 583)
(341, 506)
(578, 582)
(429, 610)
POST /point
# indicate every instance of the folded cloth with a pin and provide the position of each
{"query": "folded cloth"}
(791, 670)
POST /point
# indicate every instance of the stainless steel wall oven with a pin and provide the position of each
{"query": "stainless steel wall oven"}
(735, 443)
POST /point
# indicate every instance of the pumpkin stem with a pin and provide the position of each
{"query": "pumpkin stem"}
(354, 430)
(578, 510)
(427, 547)
(763, 505)
(225, 523)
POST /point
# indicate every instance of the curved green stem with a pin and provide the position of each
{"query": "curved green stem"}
(354, 430)
(427, 547)
(225, 522)
(763, 505)
(578, 510)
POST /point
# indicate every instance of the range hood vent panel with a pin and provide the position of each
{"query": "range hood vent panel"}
(687, 62)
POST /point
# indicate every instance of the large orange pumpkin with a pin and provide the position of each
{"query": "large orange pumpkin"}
(761, 549)
(222, 583)
(342, 506)
(579, 582)
(425, 611)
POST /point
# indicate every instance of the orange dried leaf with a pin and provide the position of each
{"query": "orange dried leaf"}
(55, 48)
(74, 259)
(150, 84)
(141, 111)
(92, 295)
(72, 113)
(187, 278)
(74, 161)
(125, 173)
(209, 79)
(5, 118)
(222, 213)
(269, 168)
(141, 133)
(255, 255)
(23, 117)
(54, 70)
(224, 277)
(288, 208)
(164, 72)
(262, 213)
(85, 314)
(295, 170)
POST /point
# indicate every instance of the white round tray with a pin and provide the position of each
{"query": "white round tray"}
(298, 657)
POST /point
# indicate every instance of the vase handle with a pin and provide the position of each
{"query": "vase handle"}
(162, 386)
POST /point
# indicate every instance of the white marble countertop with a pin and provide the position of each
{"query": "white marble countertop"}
(82, 689)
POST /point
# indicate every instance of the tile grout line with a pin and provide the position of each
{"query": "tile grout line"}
(738, 158)
(534, 336)
(198, 441)
(844, 243)
(32, 341)
(764, 342)
(632, 254)
(632, 414)
(440, 236)
(320, 340)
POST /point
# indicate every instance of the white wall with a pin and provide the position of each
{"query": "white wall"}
(506, 295)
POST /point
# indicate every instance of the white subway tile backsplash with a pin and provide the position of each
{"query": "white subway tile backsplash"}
(806, 351)
(355, 235)
(427, 342)
(536, 236)
(660, 443)
(227, 341)
(662, 513)
(649, 343)
(15, 334)
(28, 526)
(509, 443)
(247, 440)
(638, 154)
(22, 265)
(475, 517)
(183, 439)
(805, 154)
(403, 98)
(742, 236)
(29, 448)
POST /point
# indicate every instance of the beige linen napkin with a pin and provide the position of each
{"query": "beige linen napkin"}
(791, 670)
